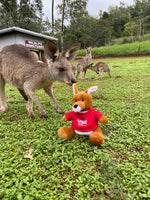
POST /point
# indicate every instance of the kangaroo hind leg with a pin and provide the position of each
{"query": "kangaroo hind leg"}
(101, 73)
(3, 103)
(32, 97)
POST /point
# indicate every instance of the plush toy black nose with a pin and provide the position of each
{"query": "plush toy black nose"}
(75, 106)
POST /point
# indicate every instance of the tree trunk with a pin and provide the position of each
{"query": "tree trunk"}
(62, 27)
(53, 16)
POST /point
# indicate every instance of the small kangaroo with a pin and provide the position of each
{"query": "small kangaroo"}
(21, 68)
(84, 63)
(100, 67)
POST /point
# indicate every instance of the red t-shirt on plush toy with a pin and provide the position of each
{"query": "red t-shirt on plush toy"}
(84, 122)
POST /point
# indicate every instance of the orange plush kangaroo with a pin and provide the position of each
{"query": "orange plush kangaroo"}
(84, 118)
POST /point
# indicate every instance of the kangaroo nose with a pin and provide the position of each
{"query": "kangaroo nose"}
(75, 106)
(73, 81)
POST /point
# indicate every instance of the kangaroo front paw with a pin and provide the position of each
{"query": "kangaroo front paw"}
(44, 116)
(60, 111)
(3, 109)
(31, 116)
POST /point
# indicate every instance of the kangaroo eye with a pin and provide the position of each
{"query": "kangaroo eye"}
(61, 69)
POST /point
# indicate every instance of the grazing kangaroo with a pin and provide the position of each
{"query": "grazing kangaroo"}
(100, 67)
(84, 63)
(20, 67)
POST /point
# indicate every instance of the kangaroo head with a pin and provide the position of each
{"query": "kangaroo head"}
(59, 64)
(82, 101)
(88, 50)
(90, 66)
(93, 68)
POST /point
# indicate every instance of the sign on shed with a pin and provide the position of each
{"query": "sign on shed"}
(34, 44)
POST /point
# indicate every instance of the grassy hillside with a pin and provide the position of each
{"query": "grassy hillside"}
(120, 50)
(75, 169)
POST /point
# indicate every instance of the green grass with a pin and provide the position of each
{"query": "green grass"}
(120, 50)
(75, 169)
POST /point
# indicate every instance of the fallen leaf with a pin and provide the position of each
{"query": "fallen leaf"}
(29, 154)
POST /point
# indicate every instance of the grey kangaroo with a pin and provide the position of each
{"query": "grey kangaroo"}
(21, 68)
(84, 63)
(100, 67)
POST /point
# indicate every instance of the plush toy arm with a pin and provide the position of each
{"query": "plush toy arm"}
(103, 119)
(64, 118)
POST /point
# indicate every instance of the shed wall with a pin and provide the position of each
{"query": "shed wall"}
(17, 38)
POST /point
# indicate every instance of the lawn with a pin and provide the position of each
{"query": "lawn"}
(75, 169)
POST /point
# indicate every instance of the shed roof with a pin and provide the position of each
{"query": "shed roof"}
(21, 30)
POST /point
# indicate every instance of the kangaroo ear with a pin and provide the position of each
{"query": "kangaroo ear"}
(71, 52)
(75, 89)
(51, 49)
(91, 89)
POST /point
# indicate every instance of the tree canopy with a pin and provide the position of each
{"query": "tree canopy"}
(24, 14)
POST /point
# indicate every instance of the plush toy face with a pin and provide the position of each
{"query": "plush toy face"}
(82, 101)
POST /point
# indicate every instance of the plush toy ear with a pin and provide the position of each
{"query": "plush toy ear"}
(91, 89)
(75, 89)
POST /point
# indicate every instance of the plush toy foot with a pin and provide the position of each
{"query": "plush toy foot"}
(66, 133)
(96, 137)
